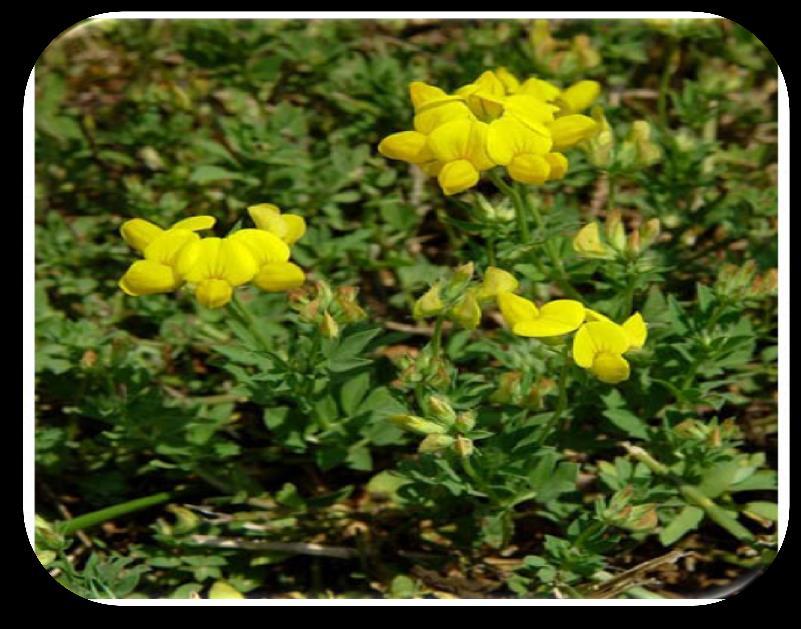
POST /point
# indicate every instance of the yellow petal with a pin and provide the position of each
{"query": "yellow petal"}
(558, 164)
(610, 368)
(407, 146)
(449, 142)
(532, 112)
(579, 96)
(516, 309)
(264, 215)
(166, 247)
(295, 228)
(214, 293)
(226, 259)
(509, 80)
(264, 246)
(539, 89)
(434, 116)
(457, 176)
(195, 223)
(636, 330)
(569, 130)
(507, 137)
(279, 276)
(496, 281)
(423, 94)
(596, 337)
(555, 319)
(594, 315)
(139, 233)
(584, 348)
(588, 241)
(145, 277)
(529, 168)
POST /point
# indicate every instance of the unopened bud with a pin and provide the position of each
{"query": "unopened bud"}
(587, 242)
(467, 312)
(329, 327)
(463, 446)
(508, 387)
(346, 299)
(421, 426)
(463, 273)
(435, 443)
(465, 421)
(429, 304)
(496, 281)
(440, 410)
(649, 232)
(633, 244)
(615, 232)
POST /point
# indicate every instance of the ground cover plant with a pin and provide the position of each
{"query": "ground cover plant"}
(405, 308)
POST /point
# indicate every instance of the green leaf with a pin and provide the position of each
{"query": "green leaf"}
(221, 589)
(353, 392)
(686, 520)
(628, 422)
(767, 510)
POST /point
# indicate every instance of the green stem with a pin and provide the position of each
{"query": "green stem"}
(520, 209)
(248, 321)
(550, 248)
(436, 337)
(664, 83)
(491, 259)
(561, 402)
(109, 513)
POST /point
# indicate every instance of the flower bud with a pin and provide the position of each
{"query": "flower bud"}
(412, 423)
(463, 446)
(329, 327)
(649, 232)
(600, 147)
(435, 443)
(463, 273)
(467, 312)
(615, 232)
(346, 299)
(465, 421)
(440, 410)
(496, 281)
(429, 304)
(633, 245)
(508, 387)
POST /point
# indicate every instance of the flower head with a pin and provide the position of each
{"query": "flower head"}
(600, 343)
(552, 319)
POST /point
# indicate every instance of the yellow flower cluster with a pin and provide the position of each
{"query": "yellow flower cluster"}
(495, 121)
(214, 266)
(599, 343)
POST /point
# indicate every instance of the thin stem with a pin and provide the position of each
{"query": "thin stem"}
(436, 337)
(248, 320)
(520, 209)
(491, 259)
(561, 402)
(109, 513)
(664, 83)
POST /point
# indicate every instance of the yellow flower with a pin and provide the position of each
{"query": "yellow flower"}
(579, 96)
(522, 151)
(160, 247)
(496, 281)
(288, 227)
(588, 242)
(429, 304)
(566, 131)
(275, 273)
(460, 146)
(600, 343)
(553, 319)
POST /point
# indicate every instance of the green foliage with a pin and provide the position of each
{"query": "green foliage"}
(329, 444)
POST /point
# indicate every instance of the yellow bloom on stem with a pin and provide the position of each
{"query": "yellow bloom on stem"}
(460, 146)
(522, 151)
(216, 266)
(566, 131)
(579, 96)
(588, 242)
(600, 343)
(275, 273)
(553, 319)
(288, 227)
(160, 247)
(496, 281)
